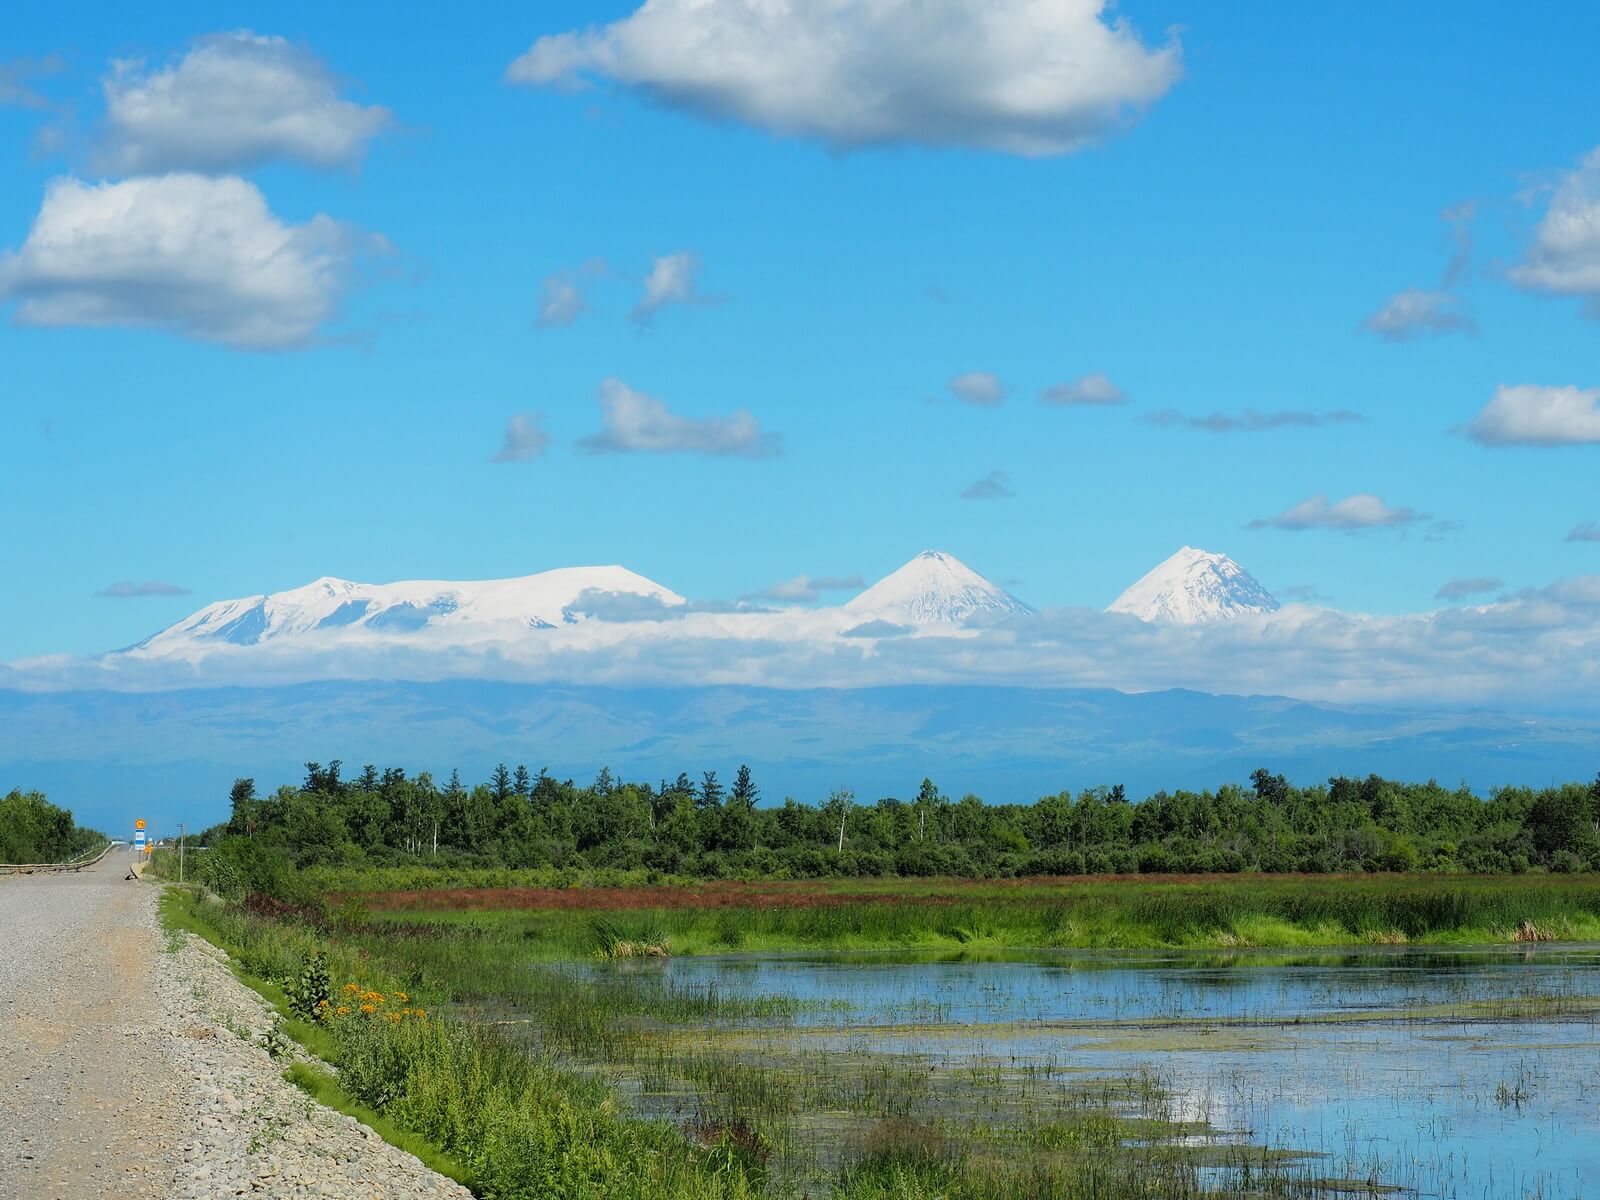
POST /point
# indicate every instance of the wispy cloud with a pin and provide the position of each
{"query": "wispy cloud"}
(127, 589)
(1094, 390)
(804, 589)
(1360, 511)
(1530, 415)
(982, 389)
(638, 423)
(16, 76)
(996, 485)
(560, 301)
(1251, 421)
(1415, 313)
(1470, 585)
(672, 280)
(234, 100)
(1460, 219)
(860, 73)
(1303, 593)
(525, 439)
(1584, 531)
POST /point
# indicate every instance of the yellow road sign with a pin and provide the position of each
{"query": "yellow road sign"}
(139, 824)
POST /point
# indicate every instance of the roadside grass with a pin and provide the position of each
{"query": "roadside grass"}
(183, 909)
(503, 1118)
(324, 1087)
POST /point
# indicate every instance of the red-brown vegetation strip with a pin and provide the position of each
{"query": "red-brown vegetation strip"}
(780, 894)
(708, 895)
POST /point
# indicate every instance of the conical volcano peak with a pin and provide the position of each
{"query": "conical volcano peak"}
(1192, 587)
(934, 588)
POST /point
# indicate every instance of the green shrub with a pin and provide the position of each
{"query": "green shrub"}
(311, 992)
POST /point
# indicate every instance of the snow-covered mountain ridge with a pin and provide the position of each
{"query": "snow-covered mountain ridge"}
(934, 588)
(541, 601)
(1193, 587)
(934, 591)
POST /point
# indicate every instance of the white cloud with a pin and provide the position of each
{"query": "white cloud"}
(996, 485)
(1415, 313)
(1529, 415)
(1360, 511)
(1090, 390)
(1564, 258)
(190, 254)
(1031, 77)
(234, 100)
(637, 423)
(525, 438)
(127, 589)
(671, 281)
(980, 388)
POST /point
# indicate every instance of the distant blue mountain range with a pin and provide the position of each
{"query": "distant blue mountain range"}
(171, 755)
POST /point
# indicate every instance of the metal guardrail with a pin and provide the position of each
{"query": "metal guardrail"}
(77, 864)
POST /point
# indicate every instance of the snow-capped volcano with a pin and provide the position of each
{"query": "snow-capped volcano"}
(1192, 587)
(933, 588)
(539, 601)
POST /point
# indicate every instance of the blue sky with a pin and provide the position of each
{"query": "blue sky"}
(1218, 254)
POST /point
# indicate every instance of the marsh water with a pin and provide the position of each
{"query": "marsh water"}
(1439, 1072)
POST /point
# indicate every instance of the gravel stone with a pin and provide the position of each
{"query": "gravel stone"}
(133, 1064)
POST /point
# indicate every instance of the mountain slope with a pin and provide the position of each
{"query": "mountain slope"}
(1192, 587)
(539, 601)
(933, 588)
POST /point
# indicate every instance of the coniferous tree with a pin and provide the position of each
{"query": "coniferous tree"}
(745, 793)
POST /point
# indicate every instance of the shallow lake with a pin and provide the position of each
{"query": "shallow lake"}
(1444, 1072)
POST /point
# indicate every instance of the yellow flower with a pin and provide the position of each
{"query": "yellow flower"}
(402, 997)
(392, 1016)
(342, 1010)
(422, 1012)
(369, 1008)
(352, 987)
(322, 1004)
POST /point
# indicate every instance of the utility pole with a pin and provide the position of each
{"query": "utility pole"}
(180, 852)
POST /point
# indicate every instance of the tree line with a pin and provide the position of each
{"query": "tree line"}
(710, 829)
(32, 830)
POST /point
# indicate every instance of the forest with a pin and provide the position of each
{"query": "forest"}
(705, 828)
(32, 830)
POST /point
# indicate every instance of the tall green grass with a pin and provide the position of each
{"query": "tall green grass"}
(1225, 913)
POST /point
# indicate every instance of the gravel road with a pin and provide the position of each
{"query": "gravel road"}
(132, 1064)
